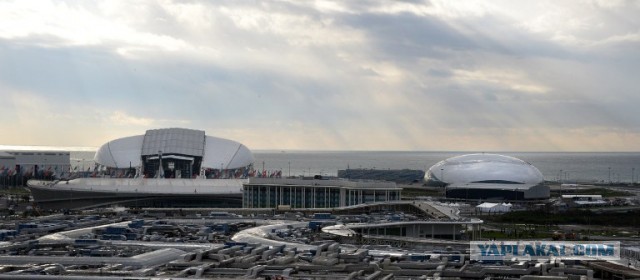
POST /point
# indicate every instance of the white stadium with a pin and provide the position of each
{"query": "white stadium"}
(183, 153)
(172, 167)
(488, 177)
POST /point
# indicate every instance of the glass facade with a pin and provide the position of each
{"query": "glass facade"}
(294, 196)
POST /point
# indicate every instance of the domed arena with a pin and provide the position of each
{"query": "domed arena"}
(488, 177)
(174, 153)
(168, 167)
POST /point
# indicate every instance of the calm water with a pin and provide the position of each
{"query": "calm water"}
(569, 167)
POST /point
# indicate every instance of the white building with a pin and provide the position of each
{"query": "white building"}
(584, 200)
(488, 177)
(175, 153)
(489, 207)
(163, 168)
(17, 166)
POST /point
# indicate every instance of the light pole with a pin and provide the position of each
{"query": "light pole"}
(609, 175)
(442, 180)
(633, 175)
(160, 169)
(560, 177)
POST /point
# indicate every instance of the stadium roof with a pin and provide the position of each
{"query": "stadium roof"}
(484, 170)
(179, 142)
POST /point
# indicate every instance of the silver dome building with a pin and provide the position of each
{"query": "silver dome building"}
(488, 177)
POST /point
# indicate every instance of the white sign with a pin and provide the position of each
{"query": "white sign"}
(535, 250)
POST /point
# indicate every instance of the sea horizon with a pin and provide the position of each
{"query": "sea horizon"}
(275, 150)
(559, 166)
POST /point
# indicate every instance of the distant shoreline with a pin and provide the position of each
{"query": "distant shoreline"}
(93, 149)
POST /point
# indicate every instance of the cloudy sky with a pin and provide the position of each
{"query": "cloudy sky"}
(325, 75)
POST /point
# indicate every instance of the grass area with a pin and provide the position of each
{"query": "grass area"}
(573, 217)
(414, 192)
(15, 191)
(601, 191)
(515, 234)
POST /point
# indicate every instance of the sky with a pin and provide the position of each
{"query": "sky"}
(497, 75)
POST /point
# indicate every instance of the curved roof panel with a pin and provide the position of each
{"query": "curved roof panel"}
(121, 153)
(225, 153)
(173, 141)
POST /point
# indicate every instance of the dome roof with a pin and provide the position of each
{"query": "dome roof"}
(483, 169)
(120, 153)
(226, 153)
(215, 152)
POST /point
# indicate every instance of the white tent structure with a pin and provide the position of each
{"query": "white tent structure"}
(488, 207)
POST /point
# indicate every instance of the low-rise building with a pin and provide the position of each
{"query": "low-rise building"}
(493, 208)
(315, 193)
(584, 200)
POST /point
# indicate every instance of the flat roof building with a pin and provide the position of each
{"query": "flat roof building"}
(315, 193)
(18, 166)
(584, 200)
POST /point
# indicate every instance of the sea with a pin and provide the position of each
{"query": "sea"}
(566, 167)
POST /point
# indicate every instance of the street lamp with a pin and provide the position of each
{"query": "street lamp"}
(160, 169)
(442, 180)
(560, 177)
